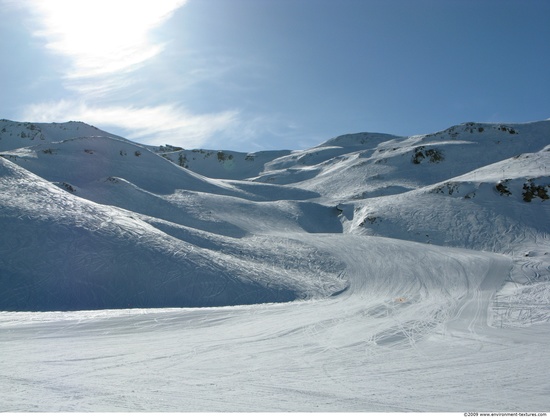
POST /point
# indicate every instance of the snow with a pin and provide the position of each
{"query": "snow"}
(220, 164)
(370, 273)
(20, 134)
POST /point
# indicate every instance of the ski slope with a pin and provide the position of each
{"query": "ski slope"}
(370, 273)
(396, 340)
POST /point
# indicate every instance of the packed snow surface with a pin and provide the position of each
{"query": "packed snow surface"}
(370, 273)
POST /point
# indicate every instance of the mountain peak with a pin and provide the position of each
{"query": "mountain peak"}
(21, 134)
(360, 139)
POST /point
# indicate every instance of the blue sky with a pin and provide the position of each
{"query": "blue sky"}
(273, 74)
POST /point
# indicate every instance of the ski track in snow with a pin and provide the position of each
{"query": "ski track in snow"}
(394, 340)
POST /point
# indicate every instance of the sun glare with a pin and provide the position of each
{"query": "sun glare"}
(102, 36)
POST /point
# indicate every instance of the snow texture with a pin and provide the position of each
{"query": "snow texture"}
(369, 273)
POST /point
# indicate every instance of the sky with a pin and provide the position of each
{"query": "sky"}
(249, 75)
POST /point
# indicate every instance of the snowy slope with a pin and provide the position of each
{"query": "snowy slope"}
(63, 252)
(495, 208)
(220, 164)
(83, 162)
(426, 188)
(401, 164)
(410, 334)
(21, 134)
(415, 271)
(108, 171)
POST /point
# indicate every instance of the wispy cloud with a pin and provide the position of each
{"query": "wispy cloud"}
(107, 44)
(103, 39)
(157, 125)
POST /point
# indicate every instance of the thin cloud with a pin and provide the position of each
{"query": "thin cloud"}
(106, 44)
(156, 125)
(102, 38)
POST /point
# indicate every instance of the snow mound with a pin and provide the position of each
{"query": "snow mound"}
(67, 253)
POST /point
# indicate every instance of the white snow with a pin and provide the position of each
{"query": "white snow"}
(371, 273)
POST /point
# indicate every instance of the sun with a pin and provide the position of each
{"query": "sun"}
(102, 36)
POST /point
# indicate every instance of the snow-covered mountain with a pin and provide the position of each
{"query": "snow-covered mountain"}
(382, 244)
(21, 134)
(475, 186)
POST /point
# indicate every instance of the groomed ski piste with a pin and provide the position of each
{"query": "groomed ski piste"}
(369, 273)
